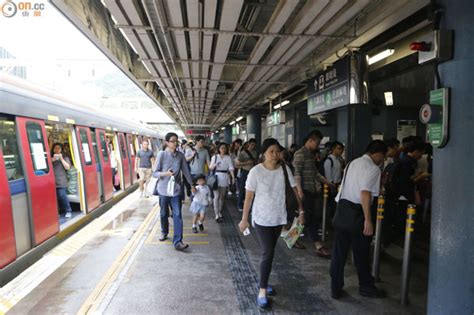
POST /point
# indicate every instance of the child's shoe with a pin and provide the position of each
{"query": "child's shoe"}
(195, 230)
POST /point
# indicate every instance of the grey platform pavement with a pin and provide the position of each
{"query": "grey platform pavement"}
(124, 269)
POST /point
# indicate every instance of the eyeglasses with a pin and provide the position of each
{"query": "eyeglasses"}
(173, 141)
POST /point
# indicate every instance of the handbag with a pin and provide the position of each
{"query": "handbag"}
(211, 179)
(349, 216)
(291, 200)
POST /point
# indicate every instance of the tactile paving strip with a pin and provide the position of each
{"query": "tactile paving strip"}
(244, 276)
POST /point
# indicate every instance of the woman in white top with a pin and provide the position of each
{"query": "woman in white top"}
(265, 186)
(223, 166)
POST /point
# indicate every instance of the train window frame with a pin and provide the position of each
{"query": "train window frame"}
(36, 148)
(95, 145)
(13, 149)
(103, 146)
(123, 147)
(88, 157)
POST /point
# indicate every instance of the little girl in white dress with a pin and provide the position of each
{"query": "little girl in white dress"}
(201, 200)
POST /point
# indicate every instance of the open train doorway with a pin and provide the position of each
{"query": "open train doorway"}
(398, 87)
(67, 171)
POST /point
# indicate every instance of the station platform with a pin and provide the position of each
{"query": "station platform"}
(116, 265)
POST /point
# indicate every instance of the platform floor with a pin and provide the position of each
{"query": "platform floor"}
(124, 269)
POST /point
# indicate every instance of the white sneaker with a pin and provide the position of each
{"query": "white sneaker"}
(68, 215)
(241, 210)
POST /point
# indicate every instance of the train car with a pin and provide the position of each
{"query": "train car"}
(101, 149)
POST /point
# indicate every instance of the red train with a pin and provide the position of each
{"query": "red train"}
(98, 145)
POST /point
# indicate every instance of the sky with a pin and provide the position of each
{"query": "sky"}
(57, 55)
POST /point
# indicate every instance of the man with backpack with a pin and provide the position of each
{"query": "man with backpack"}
(333, 168)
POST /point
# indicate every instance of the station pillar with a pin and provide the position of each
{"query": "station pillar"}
(228, 134)
(451, 271)
(254, 126)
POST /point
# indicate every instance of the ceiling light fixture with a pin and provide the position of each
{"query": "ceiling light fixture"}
(240, 118)
(223, 128)
(381, 55)
(280, 105)
(232, 122)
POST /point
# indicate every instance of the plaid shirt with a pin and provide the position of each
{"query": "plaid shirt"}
(305, 168)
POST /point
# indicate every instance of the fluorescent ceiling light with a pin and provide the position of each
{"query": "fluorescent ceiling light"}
(232, 122)
(240, 118)
(280, 105)
(381, 55)
(388, 98)
(223, 128)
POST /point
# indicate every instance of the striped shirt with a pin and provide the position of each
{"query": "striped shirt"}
(305, 168)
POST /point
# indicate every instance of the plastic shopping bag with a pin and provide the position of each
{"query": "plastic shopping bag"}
(293, 234)
(170, 188)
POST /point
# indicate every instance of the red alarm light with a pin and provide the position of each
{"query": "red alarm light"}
(420, 46)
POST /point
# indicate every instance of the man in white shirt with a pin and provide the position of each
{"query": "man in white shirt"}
(360, 185)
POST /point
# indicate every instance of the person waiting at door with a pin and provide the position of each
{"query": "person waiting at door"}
(61, 164)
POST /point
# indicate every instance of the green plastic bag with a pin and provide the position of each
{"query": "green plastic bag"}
(293, 234)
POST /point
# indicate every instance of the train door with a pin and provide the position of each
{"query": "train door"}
(7, 231)
(132, 150)
(125, 161)
(107, 176)
(89, 168)
(17, 188)
(40, 180)
(98, 165)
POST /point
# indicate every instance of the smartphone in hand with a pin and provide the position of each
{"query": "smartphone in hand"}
(246, 232)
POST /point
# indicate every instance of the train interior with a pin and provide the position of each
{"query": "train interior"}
(62, 133)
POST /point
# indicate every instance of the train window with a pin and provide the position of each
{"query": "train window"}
(85, 147)
(94, 146)
(37, 148)
(103, 146)
(9, 147)
(122, 147)
(132, 146)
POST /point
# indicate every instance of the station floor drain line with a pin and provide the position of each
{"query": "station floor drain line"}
(103, 293)
(244, 276)
(28, 280)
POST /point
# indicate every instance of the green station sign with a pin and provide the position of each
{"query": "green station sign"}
(435, 115)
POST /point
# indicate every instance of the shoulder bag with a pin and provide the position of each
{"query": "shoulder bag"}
(291, 200)
(349, 216)
(211, 180)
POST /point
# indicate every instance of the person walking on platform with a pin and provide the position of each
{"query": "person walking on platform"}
(170, 164)
(198, 157)
(143, 166)
(265, 188)
(246, 159)
(223, 166)
(361, 183)
(306, 177)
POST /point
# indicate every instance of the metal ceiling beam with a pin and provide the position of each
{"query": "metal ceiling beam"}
(215, 80)
(237, 33)
(230, 64)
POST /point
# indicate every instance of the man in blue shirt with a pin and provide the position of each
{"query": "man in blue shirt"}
(170, 164)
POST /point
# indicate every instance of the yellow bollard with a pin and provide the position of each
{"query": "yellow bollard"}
(409, 229)
(325, 205)
(378, 236)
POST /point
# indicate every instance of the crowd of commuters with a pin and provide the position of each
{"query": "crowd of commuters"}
(262, 182)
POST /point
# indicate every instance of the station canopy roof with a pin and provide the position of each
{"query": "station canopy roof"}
(209, 61)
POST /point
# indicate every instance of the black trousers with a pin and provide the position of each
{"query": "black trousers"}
(267, 237)
(312, 204)
(361, 250)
